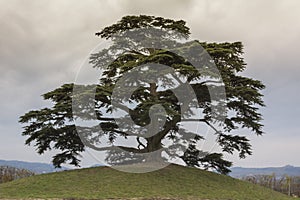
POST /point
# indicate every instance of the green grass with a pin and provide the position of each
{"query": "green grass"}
(173, 181)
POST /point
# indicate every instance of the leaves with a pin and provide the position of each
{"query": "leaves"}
(143, 21)
(54, 127)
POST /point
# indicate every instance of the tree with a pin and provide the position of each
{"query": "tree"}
(8, 173)
(159, 104)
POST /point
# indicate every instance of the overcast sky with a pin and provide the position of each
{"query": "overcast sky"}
(43, 43)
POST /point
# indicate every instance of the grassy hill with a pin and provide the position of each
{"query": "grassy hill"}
(173, 181)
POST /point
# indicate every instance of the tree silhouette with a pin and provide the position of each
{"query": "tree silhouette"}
(152, 82)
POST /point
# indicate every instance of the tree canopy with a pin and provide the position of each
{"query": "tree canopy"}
(149, 88)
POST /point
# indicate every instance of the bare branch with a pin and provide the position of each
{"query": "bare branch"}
(128, 149)
(122, 107)
(106, 118)
(193, 120)
(140, 143)
(209, 81)
(177, 79)
(201, 120)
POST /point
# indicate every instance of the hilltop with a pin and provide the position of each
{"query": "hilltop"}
(173, 181)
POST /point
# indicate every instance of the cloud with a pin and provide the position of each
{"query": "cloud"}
(166, 8)
(42, 44)
(271, 150)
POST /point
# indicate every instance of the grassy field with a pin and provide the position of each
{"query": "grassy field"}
(174, 181)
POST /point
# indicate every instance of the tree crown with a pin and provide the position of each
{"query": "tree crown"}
(161, 101)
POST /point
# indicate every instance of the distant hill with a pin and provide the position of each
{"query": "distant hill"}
(172, 182)
(35, 167)
(97, 165)
(239, 172)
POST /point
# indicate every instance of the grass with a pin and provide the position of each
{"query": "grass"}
(173, 181)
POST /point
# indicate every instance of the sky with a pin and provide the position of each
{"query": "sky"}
(44, 43)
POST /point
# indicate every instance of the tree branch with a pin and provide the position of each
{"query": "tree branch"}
(177, 79)
(122, 107)
(201, 120)
(140, 143)
(128, 149)
(106, 118)
(209, 81)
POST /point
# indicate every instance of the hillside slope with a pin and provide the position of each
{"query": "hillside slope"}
(173, 181)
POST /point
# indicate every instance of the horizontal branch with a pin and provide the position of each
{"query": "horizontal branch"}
(201, 120)
(209, 81)
(193, 120)
(128, 149)
(106, 118)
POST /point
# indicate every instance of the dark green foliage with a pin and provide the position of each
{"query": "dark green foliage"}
(215, 161)
(53, 128)
(143, 21)
(197, 158)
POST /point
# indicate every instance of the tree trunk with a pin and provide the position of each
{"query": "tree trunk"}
(154, 147)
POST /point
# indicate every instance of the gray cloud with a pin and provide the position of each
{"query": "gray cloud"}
(42, 44)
